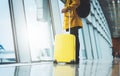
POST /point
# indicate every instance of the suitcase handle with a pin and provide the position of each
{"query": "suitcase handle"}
(69, 20)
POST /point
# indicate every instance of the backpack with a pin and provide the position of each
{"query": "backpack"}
(83, 9)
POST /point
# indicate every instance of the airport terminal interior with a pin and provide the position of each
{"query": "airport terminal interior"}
(27, 39)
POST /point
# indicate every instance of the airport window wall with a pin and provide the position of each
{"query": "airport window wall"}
(98, 38)
(26, 31)
(33, 28)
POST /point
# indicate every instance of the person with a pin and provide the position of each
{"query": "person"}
(75, 21)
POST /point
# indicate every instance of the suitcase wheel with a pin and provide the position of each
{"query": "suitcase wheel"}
(55, 62)
(71, 62)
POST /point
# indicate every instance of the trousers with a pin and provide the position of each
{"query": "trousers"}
(75, 31)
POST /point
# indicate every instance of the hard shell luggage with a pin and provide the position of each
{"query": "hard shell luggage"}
(64, 50)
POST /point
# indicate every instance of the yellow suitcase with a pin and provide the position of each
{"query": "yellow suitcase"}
(64, 49)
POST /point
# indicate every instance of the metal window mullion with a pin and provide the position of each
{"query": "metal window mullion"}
(13, 30)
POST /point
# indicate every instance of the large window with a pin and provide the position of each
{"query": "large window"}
(39, 28)
(6, 37)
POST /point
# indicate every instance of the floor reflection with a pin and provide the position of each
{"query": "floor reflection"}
(66, 70)
(85, 68)
(95, 68)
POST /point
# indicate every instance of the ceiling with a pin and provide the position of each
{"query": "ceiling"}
(111, 10)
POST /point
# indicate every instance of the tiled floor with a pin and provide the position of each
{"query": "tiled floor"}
(85, 68)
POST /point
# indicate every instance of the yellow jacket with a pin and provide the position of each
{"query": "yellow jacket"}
(75, 20)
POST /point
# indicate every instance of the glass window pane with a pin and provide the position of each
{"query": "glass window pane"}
(6, 37)
(39, 27)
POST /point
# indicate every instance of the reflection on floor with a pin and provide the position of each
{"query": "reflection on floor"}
(85, 68)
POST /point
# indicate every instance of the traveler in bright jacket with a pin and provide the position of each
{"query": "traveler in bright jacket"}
(75, 22)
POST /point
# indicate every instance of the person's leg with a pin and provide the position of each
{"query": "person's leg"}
(74, 31)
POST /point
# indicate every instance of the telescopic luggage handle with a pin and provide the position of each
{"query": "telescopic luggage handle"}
(69, 21)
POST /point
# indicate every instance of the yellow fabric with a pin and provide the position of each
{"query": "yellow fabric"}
(75, 20)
